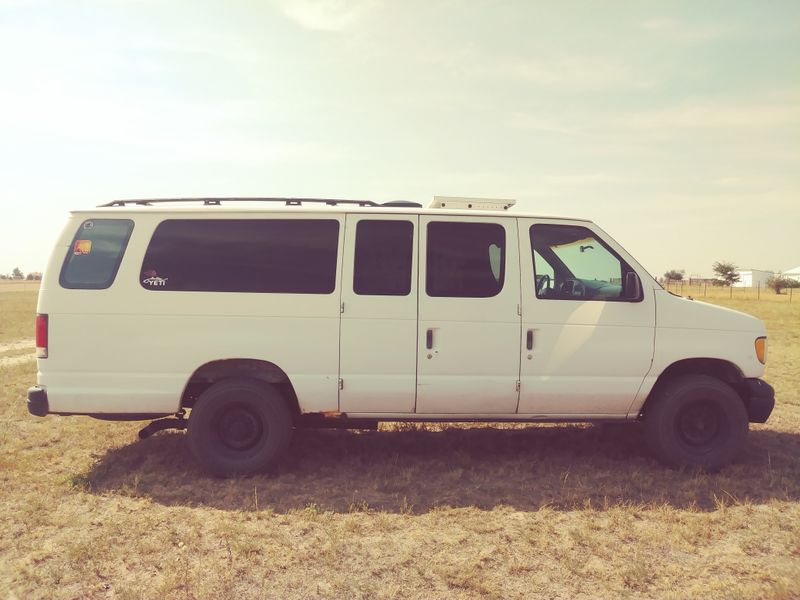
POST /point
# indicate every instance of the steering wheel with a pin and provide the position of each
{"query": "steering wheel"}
(573, 288)
(540, 284)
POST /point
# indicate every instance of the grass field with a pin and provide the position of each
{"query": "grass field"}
(88, 511)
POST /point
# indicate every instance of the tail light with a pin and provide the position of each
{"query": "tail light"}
(41, 336)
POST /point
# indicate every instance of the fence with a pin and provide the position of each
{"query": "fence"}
(709, 290)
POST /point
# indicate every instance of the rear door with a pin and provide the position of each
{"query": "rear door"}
(378, 368)
(469, 325)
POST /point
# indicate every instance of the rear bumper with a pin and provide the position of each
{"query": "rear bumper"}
(37, 401)
(759, 399)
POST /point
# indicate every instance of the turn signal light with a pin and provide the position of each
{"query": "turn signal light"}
(761, 350)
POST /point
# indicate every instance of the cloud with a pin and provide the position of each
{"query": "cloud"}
(714, 115)
(225, 47)
(530, 122)
(232, 132)
(577, 72)
(675, 30)
(326, 15)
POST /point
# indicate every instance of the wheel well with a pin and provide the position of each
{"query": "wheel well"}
(713, 367)
(215, 371)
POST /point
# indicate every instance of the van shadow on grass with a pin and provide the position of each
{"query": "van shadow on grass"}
(416, 470)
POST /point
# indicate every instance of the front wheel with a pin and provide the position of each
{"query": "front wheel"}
(696, 421)
(239, 427)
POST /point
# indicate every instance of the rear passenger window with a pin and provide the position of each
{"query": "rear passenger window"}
(465, 260)
(383, 255)
(279, 256)
(94, 256)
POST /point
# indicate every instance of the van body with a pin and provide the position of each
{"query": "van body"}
(353, 313)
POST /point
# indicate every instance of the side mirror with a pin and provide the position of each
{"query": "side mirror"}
(633, 286)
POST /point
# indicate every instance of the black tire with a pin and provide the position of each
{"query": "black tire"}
(696, 421)
(239, 427)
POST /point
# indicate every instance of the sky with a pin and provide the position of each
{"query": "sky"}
(673, 125)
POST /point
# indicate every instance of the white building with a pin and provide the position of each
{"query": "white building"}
(792, 273)
(753, 278)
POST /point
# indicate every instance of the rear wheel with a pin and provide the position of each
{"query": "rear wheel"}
(239, 427)
(696, 421)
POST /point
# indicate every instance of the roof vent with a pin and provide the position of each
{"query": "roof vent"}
(471, 203)
(401, 204)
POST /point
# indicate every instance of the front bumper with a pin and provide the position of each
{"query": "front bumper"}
(759, 399)
(37, 401)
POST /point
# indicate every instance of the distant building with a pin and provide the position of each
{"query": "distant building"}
(792, 274)
(753, 278)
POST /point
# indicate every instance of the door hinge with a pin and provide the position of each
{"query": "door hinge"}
(518, 386)
(519, 310)
(341, 384)
(341, 307)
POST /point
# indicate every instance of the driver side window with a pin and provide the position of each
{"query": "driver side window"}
(571, 263)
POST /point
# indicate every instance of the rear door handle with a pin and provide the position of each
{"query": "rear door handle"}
(429, 339)
(529, 341)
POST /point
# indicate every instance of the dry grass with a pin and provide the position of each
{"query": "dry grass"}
(17, 313)
(87, 511)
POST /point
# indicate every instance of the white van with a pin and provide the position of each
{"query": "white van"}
(261, 315)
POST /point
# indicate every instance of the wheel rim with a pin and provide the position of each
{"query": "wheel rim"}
(239, 428)
(699, 424)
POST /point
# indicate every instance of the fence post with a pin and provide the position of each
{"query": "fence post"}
(731, 291)
(705, 289)
(758, 297)
(790, 295)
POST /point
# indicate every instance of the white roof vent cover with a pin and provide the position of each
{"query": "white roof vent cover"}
(459, 203)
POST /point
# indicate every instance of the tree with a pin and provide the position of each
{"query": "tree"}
(674, 275)
(726, 271)
(17, 274)
(779, 283)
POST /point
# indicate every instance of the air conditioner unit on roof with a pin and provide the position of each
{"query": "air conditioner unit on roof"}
(471, 203)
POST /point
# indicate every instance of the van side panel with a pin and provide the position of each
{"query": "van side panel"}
(127, 349)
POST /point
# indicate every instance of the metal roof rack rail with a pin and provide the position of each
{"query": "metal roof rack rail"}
(286, 201)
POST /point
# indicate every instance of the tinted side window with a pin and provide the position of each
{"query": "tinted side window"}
(383, 254)
(93, 258)
(290, 256)
(465, 260)
(571, 263)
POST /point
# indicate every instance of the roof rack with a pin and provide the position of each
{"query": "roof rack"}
(286, 201)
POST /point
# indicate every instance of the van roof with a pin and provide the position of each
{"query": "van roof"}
(248, 205)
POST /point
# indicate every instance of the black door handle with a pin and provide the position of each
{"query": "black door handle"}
(530, 339)
(429, 339)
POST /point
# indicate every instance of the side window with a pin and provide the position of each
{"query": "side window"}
(289, 256)
(95, 254)
(465, 260)
(383, 255)
(571, 263)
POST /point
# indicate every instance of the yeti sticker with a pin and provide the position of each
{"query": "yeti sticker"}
(155, 281)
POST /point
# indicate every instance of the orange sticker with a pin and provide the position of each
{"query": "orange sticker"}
(82, 247)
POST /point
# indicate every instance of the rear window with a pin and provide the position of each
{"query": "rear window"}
(95, 254)
(289, 256)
